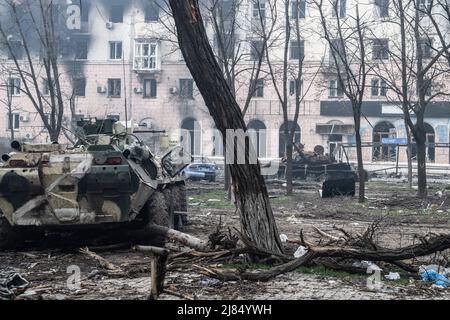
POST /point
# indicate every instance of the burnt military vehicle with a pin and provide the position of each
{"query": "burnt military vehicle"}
(336, 178)
(109, 177)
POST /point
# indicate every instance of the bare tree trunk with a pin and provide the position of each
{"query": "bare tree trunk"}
(289, 175)
(252, 200)
(422, 163)
(409, 156)
(361, 172)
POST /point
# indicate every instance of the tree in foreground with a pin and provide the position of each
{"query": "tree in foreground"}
(252, 199)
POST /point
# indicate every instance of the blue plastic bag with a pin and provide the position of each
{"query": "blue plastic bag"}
(437, 278)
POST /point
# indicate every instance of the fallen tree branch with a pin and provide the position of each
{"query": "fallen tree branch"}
(104, 263)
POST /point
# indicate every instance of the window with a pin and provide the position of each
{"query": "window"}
(378, 87)
(228, 43)
(383, 8)
(114, 88)
(116, 14)
(187, 88)
(297, 50)
(426, 47)
(258, 88)
(14, 121)
(145, 56)
(47, 85)
(259, 11)
(337, 50)
(80, 87)
(380, 49)
(295, 85)
(256, 49)
(152, 11)
(298, 9)
(150, 88)
(339, 8)
(85, 7)
(335, 88)
(115, 50)
(81, 49)
(16, 50)
(14, 86)
(425, 5)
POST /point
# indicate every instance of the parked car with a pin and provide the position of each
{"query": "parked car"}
(201, 169)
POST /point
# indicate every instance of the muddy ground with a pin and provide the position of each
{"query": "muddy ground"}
(402, 216)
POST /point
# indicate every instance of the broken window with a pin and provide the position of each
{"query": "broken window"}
(146, 55)
(258, 85)
(115, 50)
(294, 86)
(339, 8)
(150, 88)
(426, 48)
(16, 50)
(380, 49)
(14, 86)
(297, 50)
(114, 88)
(298, 9)
(13, 121)
(335, 89)
(116, 14)
(383, 8)
(152, 11)
(187, 88)
(79, 87)
(81, 49)
(256, 49)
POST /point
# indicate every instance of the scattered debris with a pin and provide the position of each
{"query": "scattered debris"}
(301, 251)
(393, 276)
(284, 238)
(11, 284)
(433, 276)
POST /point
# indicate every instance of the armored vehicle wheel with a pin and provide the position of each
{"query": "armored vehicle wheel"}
(10, 238)
(157, 210)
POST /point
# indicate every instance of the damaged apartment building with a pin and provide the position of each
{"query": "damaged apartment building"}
(124, 56)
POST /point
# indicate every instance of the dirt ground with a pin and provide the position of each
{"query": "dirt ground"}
(402, 216)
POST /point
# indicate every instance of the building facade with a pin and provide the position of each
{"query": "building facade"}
(124, 61)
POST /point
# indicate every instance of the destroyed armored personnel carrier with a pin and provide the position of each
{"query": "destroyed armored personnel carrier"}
(109, 177)
(336, 178)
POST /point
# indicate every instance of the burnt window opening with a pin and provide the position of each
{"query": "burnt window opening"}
(114, 88)
(80, 87)
(115, 50)
(258, 88)
(256, 49)
(15, 50)
(298, 9)
(426, 47)
(81, 49)
(337, 50)
(13, 121)
(116, 14)
(297, 51)
(187, 88)
(150, 88)
(152, 11)
(383, 8)
(380, 49)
